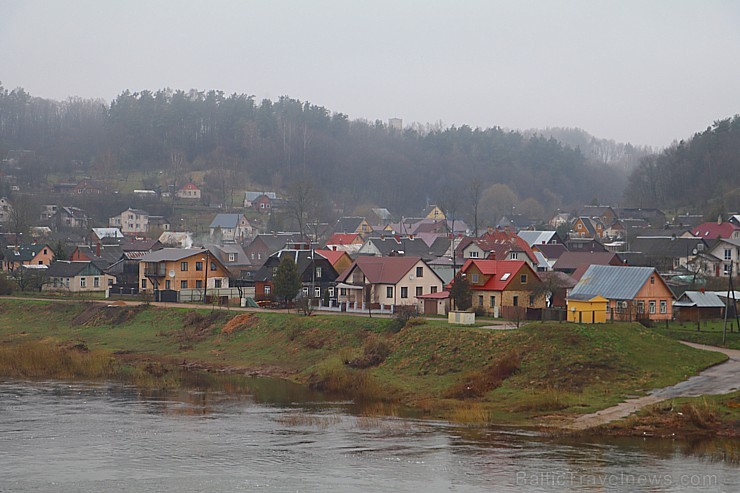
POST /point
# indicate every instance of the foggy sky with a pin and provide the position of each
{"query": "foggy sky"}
(646, 72)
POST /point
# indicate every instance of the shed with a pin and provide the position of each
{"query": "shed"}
(587, 309)
(698, 305)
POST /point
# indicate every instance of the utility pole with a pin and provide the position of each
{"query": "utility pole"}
(730, 287)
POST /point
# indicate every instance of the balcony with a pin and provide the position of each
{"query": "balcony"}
(155, 269)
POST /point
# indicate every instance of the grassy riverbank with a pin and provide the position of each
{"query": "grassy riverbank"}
(539, 374)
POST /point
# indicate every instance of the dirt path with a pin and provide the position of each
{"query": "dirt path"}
(719, 379)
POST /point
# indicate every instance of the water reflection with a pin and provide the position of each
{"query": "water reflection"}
(236, 434)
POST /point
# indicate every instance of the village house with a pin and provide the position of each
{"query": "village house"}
(36, 254)
(346, 242)
(260, 201)
(587, 227)
(230, 228)
(632, 293)
(131, 222)
(189, 191)
(179, 269)
(317, 275)
(387, 281)
(76, 277)
(497, 244)
(695, 306)
(728, 253)
(338, 259)
(576, 263)
(5, 209)
(412, 246)
(434, 212)
(355, 224)
(503, 287)
(716, 230)
(89, 186)
(65, 218)
(233, 257)
(264, 245)
(106, 236)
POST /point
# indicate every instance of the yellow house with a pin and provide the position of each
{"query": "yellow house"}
(178, 269)
(434, 212)
(587, 309)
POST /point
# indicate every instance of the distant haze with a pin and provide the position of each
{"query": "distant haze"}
(646, 72)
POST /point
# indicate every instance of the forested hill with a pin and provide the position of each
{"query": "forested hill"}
(702, 173)
(273, 143)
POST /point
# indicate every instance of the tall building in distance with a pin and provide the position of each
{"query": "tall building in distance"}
(395, 124)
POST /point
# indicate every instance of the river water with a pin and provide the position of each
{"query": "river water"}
(92, 437)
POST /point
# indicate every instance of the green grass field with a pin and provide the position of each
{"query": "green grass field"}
(448, 371)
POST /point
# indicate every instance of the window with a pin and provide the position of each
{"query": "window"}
(523, 279)
(183, 284)
(389, 292)
(232, 257)
(726, 269)
(199, 266)
(531, 300)
(480, 300)
(217, 283)
(83, 282)
(515, 301)
(473, 254)
(433, 289)
(213, 266)
(331, 292)
(640, 306)
(652, 279)
(45, 251)
(198, 284)
(317, 292)
(304, 291)
(143, 284)
(183, 266)
(728, 254)
(514, 255)
(110, 282)
(651, 306)
(419, 290)
(493, 301)
(318, 272)
(41, 262)
(506, 276)
(343, 291)
(96, 282)
(404, 292)
(55, 282)
(167, 284)
(663, 306)
(420, 272)
(268, 289)
(66, 282)
(474, 278)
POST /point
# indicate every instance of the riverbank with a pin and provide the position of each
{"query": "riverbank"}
(542, 374)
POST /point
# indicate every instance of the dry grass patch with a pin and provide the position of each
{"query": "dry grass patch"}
(477, 383)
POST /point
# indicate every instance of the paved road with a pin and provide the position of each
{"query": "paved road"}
(719, 379)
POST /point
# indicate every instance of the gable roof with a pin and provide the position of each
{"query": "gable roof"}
(699, 299)
(24, 253)
(536, 238)
(501, 242)
(714, 230)
(65, 268)
(667, 246)
(276, 241)
(229, 221)
(502, 272)
(344, 239)
(171, 254)
(572, 260)
(551, 251)
(333, 256)
(613, 282)
(348, 224)
(107, 233)
(382, 270)
(410, 246)
(252, 196)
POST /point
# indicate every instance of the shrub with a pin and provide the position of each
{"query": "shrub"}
(6, 285)
(374, 352)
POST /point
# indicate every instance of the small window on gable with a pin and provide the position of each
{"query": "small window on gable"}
(523, 278)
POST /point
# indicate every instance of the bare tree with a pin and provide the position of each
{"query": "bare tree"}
(476, 192)
(301, 202)
(23, 212)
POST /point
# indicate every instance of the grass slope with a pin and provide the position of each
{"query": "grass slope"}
(464, 373)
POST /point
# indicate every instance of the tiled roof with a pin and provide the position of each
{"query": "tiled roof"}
(573, 260)
(382, 270)
(171, 254)
(713, 230)
(501, 272)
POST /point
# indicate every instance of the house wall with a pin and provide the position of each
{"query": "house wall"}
(191, 275)
(720, 251)
(587, 312)
(79, 284)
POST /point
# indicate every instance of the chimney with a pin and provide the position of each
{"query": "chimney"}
(489, 230)
(97, 250)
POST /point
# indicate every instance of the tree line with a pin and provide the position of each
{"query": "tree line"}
(242, 142)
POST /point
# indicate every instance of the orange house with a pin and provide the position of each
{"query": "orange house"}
(39, 254)
(634, 293)
(181, 268)
(339, 260)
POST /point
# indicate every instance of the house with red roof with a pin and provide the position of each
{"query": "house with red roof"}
(387, 281)
(716, 230)
(497, 244)
(189, 191)
(504, 287)
(346, 242)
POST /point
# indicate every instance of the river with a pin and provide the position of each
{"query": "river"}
(80, 437)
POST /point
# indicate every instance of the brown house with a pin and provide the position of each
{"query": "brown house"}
(504, 287)
(175, 269)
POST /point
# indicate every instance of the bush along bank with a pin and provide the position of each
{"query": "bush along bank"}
(540, 374)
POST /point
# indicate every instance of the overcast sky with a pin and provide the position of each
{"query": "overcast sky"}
(648, 72)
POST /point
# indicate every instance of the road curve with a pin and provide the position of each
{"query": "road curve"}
(719, 379)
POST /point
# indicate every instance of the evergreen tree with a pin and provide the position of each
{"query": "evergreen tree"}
(286, 281)
(460, 292)
(59, 252)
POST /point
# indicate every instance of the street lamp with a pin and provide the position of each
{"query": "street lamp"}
(205, 282)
